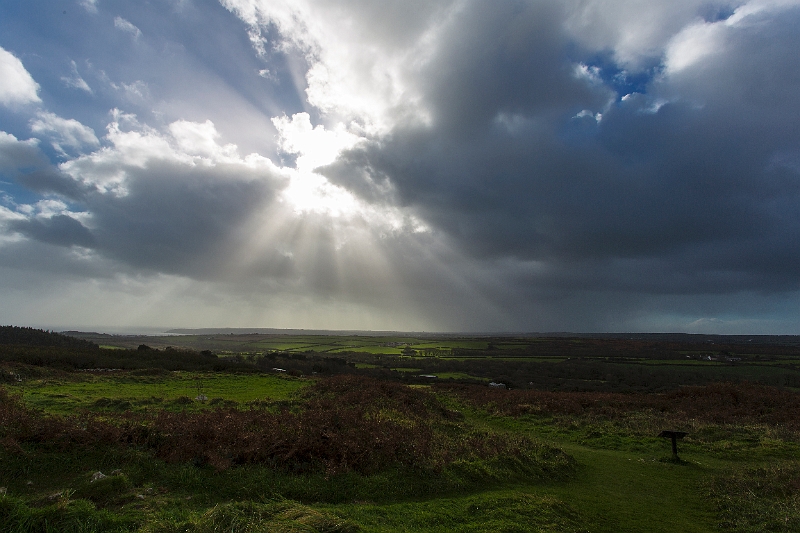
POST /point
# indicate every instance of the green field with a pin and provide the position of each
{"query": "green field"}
(122, 390)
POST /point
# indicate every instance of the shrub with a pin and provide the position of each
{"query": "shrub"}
(719, 403)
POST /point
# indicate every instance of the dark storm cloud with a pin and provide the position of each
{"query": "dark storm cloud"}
(503, 59)
(24, 162)
(177, 218)
(690, 188)
(61, 230)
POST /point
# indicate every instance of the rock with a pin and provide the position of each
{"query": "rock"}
(97, 476)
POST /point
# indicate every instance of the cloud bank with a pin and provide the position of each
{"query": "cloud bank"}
(450, 165)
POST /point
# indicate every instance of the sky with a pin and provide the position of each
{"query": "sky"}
(406, 165)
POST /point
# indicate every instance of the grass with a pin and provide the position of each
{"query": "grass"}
(755, 499)
(503, 510)
(613, 492)
(374, 349)
(737, 476)
(624, 491)
(130, 391)
(250, 517)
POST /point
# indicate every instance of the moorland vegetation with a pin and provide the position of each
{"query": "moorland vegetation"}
(188, 437)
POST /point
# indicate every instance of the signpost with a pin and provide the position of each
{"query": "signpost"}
(674, 435)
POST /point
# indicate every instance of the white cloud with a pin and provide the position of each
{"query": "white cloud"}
(64, 133)
(692, 44)
(200, 139)
(89, 5)
(636, 31)
(754, 7)
(106, 168)
(7, 214)
(702, 39)
(315, 146)
(267, 74)
(189, 144)
(361, 56)
(49, 208)
(640, 33)
(309, 191)
(138, 91)
(16, 84)
(128, 27)
(76, 81)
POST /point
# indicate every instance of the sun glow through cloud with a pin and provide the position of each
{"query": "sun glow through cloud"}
(314, 147)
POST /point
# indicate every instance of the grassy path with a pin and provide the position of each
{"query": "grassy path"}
(613, 492)
(620, 491)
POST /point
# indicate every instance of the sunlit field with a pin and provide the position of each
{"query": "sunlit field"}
(133, 392)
